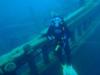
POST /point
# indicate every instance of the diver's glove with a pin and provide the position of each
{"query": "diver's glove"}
(50, 37)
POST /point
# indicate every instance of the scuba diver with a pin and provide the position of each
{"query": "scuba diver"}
(59, 32)
(58, 35)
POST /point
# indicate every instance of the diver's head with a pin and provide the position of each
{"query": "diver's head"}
(57, 21)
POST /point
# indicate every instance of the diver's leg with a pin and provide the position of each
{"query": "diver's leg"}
(60, 55)
(68, 55)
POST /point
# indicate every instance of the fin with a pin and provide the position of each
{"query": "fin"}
(69, 70)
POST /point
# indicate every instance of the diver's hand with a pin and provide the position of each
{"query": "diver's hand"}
(51, 37)
(57, 48)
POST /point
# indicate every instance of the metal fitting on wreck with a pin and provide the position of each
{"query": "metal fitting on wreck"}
(9, 67)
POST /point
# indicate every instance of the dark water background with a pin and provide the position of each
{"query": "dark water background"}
(22, 19)
(87, 59)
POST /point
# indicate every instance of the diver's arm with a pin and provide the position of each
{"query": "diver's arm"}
(67, 32)
(50, 33)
